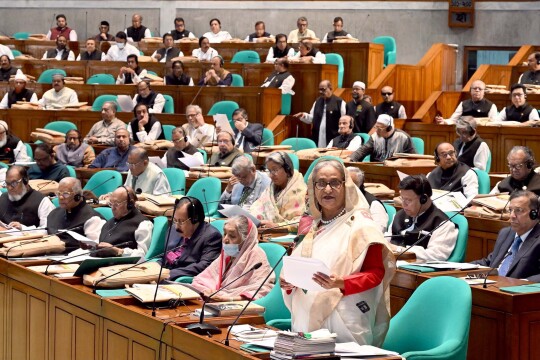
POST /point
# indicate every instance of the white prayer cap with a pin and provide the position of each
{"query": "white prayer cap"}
(20, 76)
(360, 84)
(386, 120)
(4, 125)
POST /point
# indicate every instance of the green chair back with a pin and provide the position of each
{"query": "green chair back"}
(21, 36)
(204, 155)
(273, 301)
(167, 131)
(226, 107)
(483, 181)
(488, 164)
(458, 254)
(418, 144)
(267, 137)
(169, 104)
(299, 143)
(4, 166)
(246, 57)
(46, 76)
(104, 182)
(286, 103)
(389, 48)
(337, 59)
(365, 138)
(101, 79)
(101, 99)
(61, 126)
(71, 170)
(391, 211)
(151, 72)
(314, 162)
(237, 80)
(423, 329)
(16, 52)
(29, 151)
(55, 202)
(295, 161)
(159, 233)
(208, 191)
(177, 180)
(105, 211)
(219, 224)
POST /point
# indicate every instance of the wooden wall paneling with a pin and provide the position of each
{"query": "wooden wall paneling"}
(3, 316)
(122, 343)
(408, 88)
(491, 75)
(375, 62)
(175, 354)
(486, 334)
(529, 332)
(522, 54)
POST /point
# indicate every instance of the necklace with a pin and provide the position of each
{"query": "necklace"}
(326, 222)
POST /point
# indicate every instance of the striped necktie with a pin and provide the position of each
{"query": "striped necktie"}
(505, 265)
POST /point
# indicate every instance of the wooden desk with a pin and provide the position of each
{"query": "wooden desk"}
(503, 326)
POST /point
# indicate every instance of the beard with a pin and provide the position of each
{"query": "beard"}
(17, 197)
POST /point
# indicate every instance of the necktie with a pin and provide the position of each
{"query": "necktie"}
(505, 265)
(133, 182)
(245, 194)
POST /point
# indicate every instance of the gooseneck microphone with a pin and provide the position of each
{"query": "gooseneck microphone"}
(203, 328)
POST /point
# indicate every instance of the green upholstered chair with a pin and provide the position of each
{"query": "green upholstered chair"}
(295, 161)
(159, 233)
(61, 126)
(167, 131)
(177, 180)
(237, 80)
(418, 144)
(105, 211)
(391, 211)
(458, 254)
(101, 99)
(389, 48)
(16, 52)
(365, 138)
(434, 323)
(483, 181)
(337, 59)
(488, 165)
(101, 79)
(246, 57)
(46, 76)
(204, 155)
(71, 170)
(312, 166)
(29, 151)
(267, 137)
(104, 182)
(169, 104)
(219, 224)
(21, 36)
(226, 107)
(299, 143)
(208, 191)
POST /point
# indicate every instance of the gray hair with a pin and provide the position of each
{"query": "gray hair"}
(468, 123)
(197, 108)
(359, 178)
(75, 184)
(282, 159)
(242, 225)
(113, 104)
(241, 164)
(179, 129)
(328, 162)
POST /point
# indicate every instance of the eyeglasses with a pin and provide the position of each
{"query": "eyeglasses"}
(64, 195)
(322, 89)
(517, 211)
(134, 164)
(180, 222)
(13, 184)
(274, 171)
(190, 116)
(518, 95)
(386, 93)
(115, 204)
(516, 166)
(178, 140)
(334, 184)
(450, 153)
(406, 201)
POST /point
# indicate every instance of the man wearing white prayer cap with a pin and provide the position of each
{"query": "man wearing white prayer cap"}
(384, 142)
(362, 111)
(19, 93)
(12, 149)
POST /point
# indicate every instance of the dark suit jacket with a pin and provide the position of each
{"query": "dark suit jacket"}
(252, 137)
(201, 249)
(526, 263)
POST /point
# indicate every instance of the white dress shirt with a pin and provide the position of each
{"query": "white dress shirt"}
(143, 136)
(4, 104)
(159, 104)
(115, 54)
(219, 37)
(59, 53)
(308, 119)
(204, 56)
(143, 237)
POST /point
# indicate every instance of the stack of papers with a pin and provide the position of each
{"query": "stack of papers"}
(352, 349)
(290, 345)
(440, 266)
(145, 292)
(299, 271)
(248, 333)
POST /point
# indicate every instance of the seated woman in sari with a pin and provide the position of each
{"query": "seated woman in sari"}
(354, 302)
(240, 253)
(283, 202)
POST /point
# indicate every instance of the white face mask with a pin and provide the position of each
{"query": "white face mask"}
(121, 45)
(231, 250)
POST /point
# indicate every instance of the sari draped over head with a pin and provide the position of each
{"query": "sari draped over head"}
(285, 208)
(342, 245)
(216, 275)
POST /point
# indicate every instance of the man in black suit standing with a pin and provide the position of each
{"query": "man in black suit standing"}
(517, 249)
(247, 135)
(200, 242)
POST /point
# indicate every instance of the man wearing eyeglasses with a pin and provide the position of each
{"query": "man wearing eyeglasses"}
(521, 164)
(472, 149)
(132, 73)
(477, 106)
(517, 248)
(361, 110)
(127, 225)
(421, 220)
(144, 176)
(389, 106)
(452, 175)
(181, 146)
(193, 243)
(227, 150)
(197, 131)
(520, 110)
(180, 31)
(295, 36)
(155, 102)
(21, 204)
(115, 157)
(46, 167)
(74, 214)
(103, 33)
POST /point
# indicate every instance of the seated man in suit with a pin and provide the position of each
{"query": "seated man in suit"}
(74, 152)
(521, 164)
(227, 150)
(376, 207)
(74, 214)
(477, 106)
(452, 175)
(247, 135)
(384, 142)
(23, 205)
(517, 248)
(144, 176)
(193, 243)
(346, 138)
(168, 52)
(246, 185)
(472, 149)
(127, 225)
(46, 167)
(181, 145)
(61, 52)
(59, 96)
(132, 73)
(115, 157)
(421, 220)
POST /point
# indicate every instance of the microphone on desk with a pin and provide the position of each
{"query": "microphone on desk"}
(450, 191)
(295, 241)
(508, 253)
(258, 149)
(93, 201)
(203, 328)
